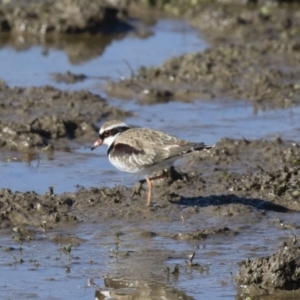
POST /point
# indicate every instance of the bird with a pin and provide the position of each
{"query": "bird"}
(143, 151)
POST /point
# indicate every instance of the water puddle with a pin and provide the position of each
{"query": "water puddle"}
(116, 56)
(119, 259)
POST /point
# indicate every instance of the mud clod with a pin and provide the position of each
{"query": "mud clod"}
(278, 271)
(63, 16)
(224, 71)
(204, 234)
(68, 77)
(253, 55)
(38, 117)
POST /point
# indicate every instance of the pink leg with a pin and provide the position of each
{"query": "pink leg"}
(149, 191)
(150, 185)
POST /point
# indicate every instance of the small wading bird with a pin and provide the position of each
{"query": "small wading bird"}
(142, 150)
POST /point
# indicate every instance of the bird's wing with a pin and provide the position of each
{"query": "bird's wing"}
(144, 147)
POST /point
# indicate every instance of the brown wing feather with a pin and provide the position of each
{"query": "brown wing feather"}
(125, 149)
(153, 146)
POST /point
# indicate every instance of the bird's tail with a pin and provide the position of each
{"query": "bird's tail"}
(197, 147)
(202, 146)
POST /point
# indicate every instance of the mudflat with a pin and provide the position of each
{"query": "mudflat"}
(237, 202)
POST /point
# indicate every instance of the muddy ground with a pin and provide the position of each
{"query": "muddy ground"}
(42, 17)
(257, 60)
(206, 182)
(255, 55)
(47, 118)
(279, 271)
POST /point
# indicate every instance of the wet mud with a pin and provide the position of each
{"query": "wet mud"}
(208, 182)
(45, 117)
(252, 72)
(68, 77)
(63, 16)
(278, 271)
(255, 57)
(211, 186)
(217, 194)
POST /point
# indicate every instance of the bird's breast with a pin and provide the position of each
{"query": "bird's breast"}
(123, 164)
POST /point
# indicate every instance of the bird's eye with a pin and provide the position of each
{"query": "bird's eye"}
(107, 133)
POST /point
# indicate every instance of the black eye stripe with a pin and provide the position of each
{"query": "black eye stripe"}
(112, 132)
(106, 134)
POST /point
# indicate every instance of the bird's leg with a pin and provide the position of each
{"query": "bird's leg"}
(173, 175)
(137, 188)
(150, 185)
(149, 191)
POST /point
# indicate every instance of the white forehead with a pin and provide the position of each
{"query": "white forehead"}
(110, 125)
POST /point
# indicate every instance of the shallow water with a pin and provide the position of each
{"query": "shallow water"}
(56, 277)
(34, 65)
(132, 260)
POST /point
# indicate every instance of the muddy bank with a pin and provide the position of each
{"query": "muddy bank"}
(265, 74)
(214, 183)
(258, 169)
(280, 271)
(254, 56)
(35, 118)
(39, 17)
(236, 21)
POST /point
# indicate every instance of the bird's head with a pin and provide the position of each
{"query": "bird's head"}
(109, 132)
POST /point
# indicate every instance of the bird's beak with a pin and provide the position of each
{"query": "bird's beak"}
(98, 143)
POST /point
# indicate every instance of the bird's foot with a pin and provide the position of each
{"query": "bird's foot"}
(172, 175)
(137, 188)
